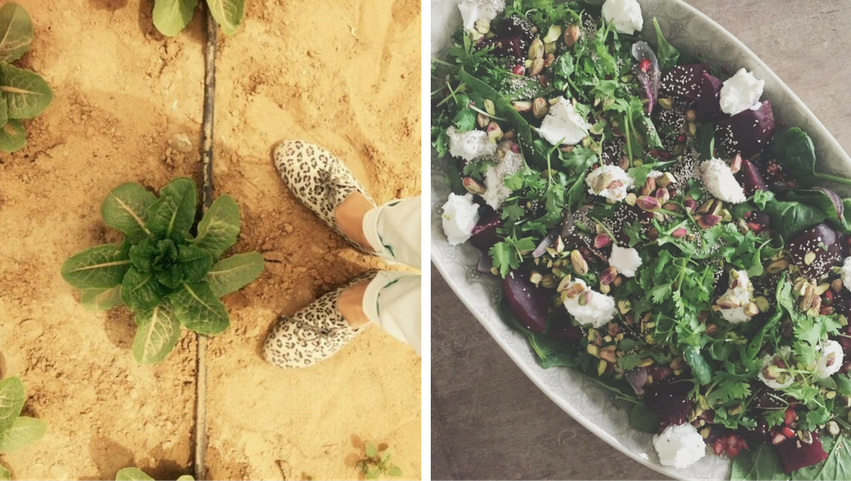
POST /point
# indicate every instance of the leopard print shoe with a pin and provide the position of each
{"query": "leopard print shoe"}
(317, 178)
(312, 334)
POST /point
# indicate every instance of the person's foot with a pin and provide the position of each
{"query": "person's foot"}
(321, 329)
(326, 186)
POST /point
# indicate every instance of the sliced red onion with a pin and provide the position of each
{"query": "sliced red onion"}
(650, 79)
(637, 378)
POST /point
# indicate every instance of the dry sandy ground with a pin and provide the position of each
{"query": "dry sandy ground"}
(343, 76)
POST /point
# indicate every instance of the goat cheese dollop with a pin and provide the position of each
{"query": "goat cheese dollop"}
(739, 293)
(720, 181)
(625, 15)
(625, 259)
(845, 273)
(588, 307)
(563, 125)
(830, 359)
(741, 92)
(460, 216)
(770, 375)
(470, 145)
(472, 10)
(609, 181)
(679, 446)
(495, 189)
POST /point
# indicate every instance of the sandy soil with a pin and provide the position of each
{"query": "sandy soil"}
(340, 75)
(344, 75)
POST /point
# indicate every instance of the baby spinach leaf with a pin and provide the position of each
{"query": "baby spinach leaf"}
(227, 13)
(157, 334)
(125, 209)
(172, 16)
(141, 290)
(13, 135)
(798, 155)
(12, 398)
(790, 218)
(23, 432)
(16, 32)
(174, 213)
(26, 93)
(234, 273)
(198, 309)
(219, 228)
(643, 419)
(666, 54)
(101, 299)
(100, 267)
(132, 474)
(821, 200)
(758, 463)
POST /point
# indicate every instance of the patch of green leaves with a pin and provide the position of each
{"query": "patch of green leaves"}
(172, 16)
(797, 154)
(375, 462)
(16, 431)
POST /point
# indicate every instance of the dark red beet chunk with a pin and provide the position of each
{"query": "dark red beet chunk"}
(750, 178)
(669, 400)
(512, 46)
(709, 103)
(484, 235)
(812, 242)
(684, 82)
(528, 303)
(563, 330)
(794, 458)
(747, 132)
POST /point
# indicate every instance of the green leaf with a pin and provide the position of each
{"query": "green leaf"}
(100, 267)
(228, 14)
(12, 396)
(186, 477)
(843, 384)
(394, 471)
(198, 309)
(26, 93)
(220, 226)
(643, 419)
(235, 272)
(125, 209)
(195, 262)
(797, 154)
(141, 290)
(157, 333)
(23, 432)
(16, 32)
(699, 367)
(172, 16)
(101, 299)
(5, 475)
(666, 54)
(790, 218)
(370, 449)
(132, 474)
(13, 135)
(174, 213)
(758, 463)
(836, 466)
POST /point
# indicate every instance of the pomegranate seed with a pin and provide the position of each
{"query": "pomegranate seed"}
(791, 183)
(732, 441)
(742, 444)
(754, 227)
(733, 451)
(828, 297)
(787, 431)
(718, 447)
(673, 191)
(790, 416)
(644, 65)
(518, 70)
(681, 138)
(772, 167)
(665, 155)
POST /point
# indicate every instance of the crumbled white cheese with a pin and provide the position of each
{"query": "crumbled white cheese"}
(720, 181)
(495, 189)
(625, 259)
(845, 273)
(830, 359)
(741, 293)
(460, 216)
(472, 10)
(679, 446)
(780, 380)
(741, 92)
(625, 15)
(590, 307)
(563, 125)
(609, 181)
(470, 145)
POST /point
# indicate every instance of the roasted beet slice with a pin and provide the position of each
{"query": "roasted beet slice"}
(815, 251)
(669, 399)
(512, 46)
(750, 178)
(563, 330)
(528, 303)
(747, 132)
(684, 82)
(484, 235)
(792, 457)
(708, 105)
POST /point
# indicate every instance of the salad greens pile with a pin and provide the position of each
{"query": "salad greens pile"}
(669, 337)
(167, 276)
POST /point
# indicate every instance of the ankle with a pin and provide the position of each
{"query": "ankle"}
(349, 218)
(350, 305)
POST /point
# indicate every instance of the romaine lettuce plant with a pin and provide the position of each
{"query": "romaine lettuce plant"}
(25, 94)
(16, 431)
(172, 16)
(135, 474)
(165, 275)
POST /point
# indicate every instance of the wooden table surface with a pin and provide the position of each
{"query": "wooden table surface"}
(488, 420)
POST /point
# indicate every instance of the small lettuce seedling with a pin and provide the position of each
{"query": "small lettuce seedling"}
(16, 431)
(25, 94)
(172, 16)
(134, 474)
(166, 276)
(376, 462)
